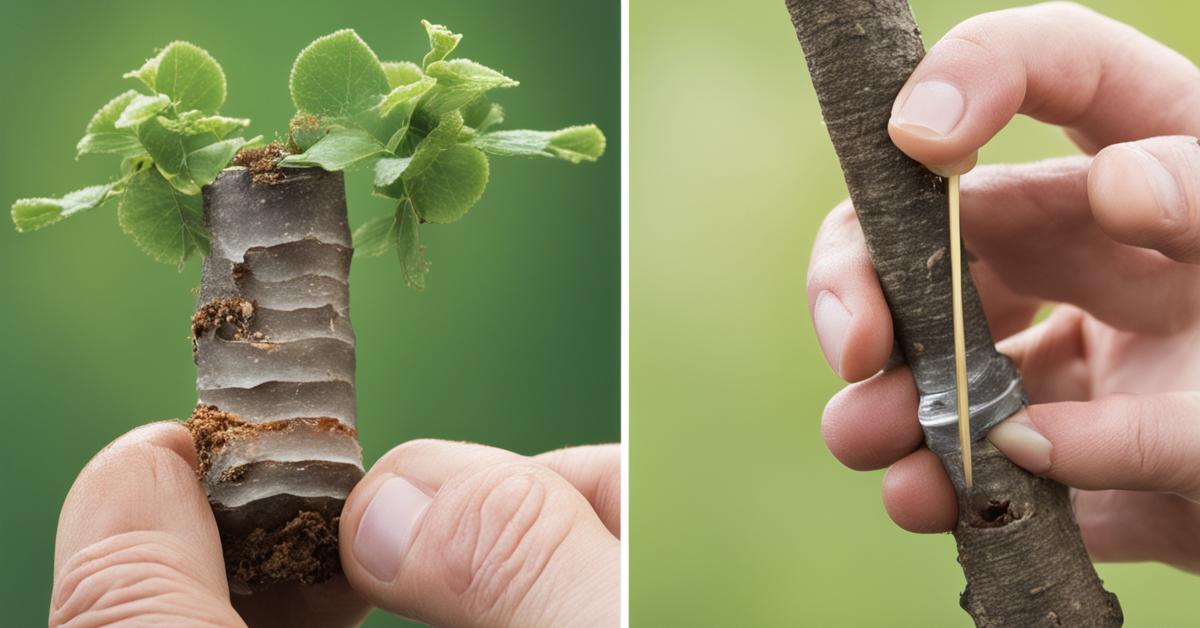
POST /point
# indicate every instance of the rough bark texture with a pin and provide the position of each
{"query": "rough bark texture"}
(1018, 543)
(275, 374)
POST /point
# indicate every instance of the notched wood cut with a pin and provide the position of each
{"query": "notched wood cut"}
(229, 317)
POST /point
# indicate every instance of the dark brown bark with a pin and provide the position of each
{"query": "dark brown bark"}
(1018, 543)
(275, 377)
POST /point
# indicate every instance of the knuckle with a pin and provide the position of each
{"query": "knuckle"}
(129, 576)
(509, 523)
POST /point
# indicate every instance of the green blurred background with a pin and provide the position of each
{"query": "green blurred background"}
(515, 343)
(739, 515)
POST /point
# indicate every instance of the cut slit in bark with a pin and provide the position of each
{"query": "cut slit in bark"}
(1018, 543)
(275, 425)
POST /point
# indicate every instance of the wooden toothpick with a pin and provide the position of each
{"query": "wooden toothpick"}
(960, 342)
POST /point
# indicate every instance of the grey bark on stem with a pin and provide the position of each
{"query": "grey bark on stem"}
(278, 470)
(1018, 543)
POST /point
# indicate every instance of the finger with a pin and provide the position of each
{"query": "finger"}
(1032, 225)
(594, 471)
(1146, 442)
(467, 535)
(1136, 526)
(872, 424)
(1145, 193)
(851, 318)
(137, 540)
(1052, 357)
(918, 495)
(850, 315)
(1057, 62)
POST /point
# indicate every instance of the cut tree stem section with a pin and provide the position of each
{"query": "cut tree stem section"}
(1018, 542)
(275, 424)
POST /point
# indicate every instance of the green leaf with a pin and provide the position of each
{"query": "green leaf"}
(413, 265)
(165, 223)
(467, 72)
(338, 150)
(103, 137)
(170, 150)
(338, 75)
(190, 76)
(146, 74)
(443, 136)
(402, 73)
(406, 94)
(460, 81)
(206, 163)
(444, 191)
(388, 171)
(376, 237)
(141, 108)
(441, 42)
(195, 122)
(573, 144)
(31, 214)
(481, 115)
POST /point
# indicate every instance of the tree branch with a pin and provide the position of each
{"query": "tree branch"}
(1018, 542)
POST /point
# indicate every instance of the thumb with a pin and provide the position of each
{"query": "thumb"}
(466, 535)
(1144, 193)
(1144, 443)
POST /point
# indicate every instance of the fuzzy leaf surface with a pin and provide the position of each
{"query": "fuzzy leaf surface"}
(165, 223)
(376, 236)
(190, 77)
(196, 122)
(441, 42)
(444, 191)
(413, 265)
(31, 214)
(102, 135)
(338, 75)
(573, 144)
(141, 108)
(338, 150)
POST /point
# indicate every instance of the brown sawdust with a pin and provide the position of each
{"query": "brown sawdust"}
(262, 162)
(212, 429)
(304, 549)
(236, 312)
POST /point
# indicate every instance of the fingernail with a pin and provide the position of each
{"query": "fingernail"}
(1142, 169)
(387, 527)
(932, 108)
(1018, 439)
(832, 321)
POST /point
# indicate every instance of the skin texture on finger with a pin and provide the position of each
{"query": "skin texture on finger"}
(918, 495)
(1032, 225)
(1052, 357)
(852, 321)
(1131, 526)
(1129, 442)
(1057, 62)
(872, 424)
(1146, 193)
(136, 538)
(595, 471)
(466, 535)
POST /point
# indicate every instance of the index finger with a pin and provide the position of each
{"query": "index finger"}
(1058, 62)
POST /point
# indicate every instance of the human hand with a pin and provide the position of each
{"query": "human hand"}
(1113, 373)
(489, 538)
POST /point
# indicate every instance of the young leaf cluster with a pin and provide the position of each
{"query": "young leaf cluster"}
(171, 141)
(425, 128)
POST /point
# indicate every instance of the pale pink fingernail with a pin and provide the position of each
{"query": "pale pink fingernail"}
(932, 108)
(386, 529)
(832, 321)
(1018, 438)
